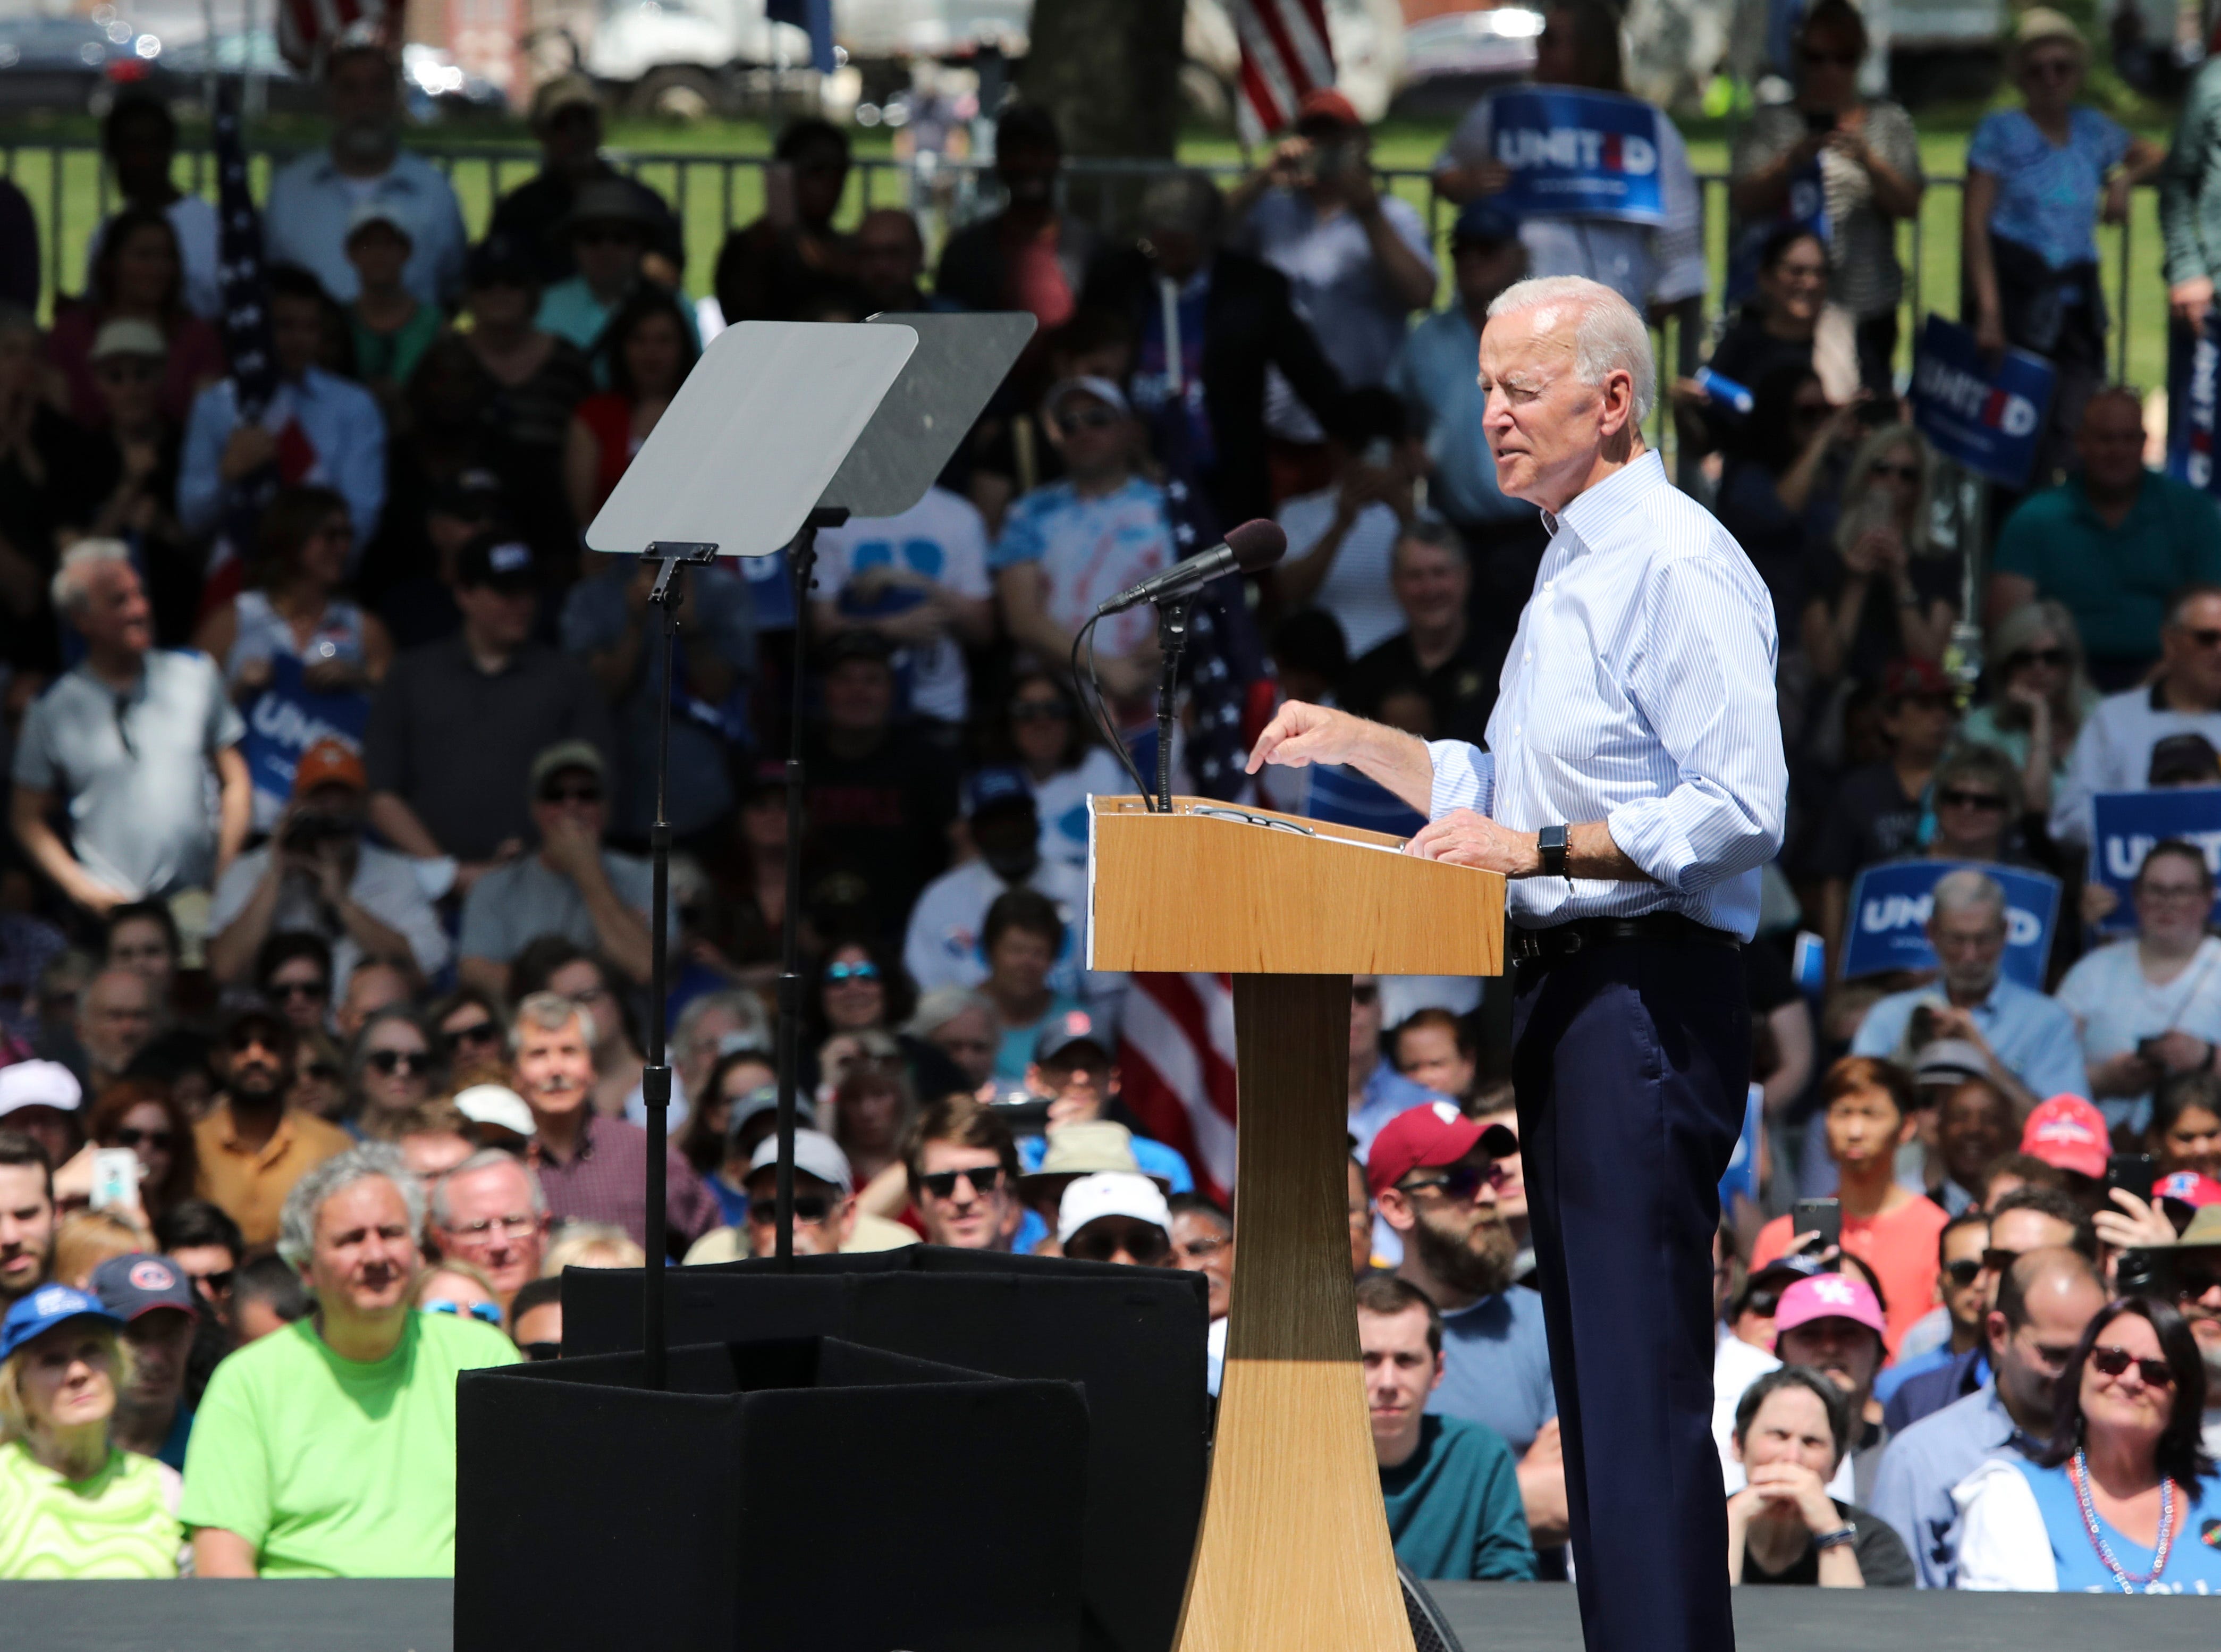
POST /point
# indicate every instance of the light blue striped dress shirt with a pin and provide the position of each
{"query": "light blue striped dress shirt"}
(1638, 691)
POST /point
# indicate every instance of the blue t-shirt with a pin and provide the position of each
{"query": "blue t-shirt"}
(2193, 1561)
(2048, 194)
(1496, 1369)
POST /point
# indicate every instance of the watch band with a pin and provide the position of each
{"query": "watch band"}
(1844, 1534)
(1550, 841)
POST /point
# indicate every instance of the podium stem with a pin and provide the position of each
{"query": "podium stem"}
(655, 1073)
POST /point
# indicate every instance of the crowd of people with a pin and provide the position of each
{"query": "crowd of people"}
(324, 915)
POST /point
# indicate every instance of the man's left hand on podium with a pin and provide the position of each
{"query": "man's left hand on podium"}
(1466, 839)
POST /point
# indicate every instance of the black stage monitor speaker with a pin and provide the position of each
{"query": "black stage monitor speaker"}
(779, 1494)
(1132, 1337)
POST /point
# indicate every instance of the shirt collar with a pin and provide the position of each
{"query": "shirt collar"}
(280, 1138)
(1593, 514)
(582, 1151)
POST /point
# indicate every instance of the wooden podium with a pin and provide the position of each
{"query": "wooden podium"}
(1294, 1552)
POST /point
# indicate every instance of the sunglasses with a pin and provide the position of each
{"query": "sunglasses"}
(1104, 1238)
(2205, 637)
(485, 1312)
(1895, 472)
(942, 1184)
(390, 1061)
(300, 989)
(1964, 1272)
(327, 1071)
(836, 973)
(1987, 802)
(484, 1033)
(1461, 1182)
(812, 1208)
(268, 1044)
(1996, 1261)
(537, 1351)
(2115, 1362)
(2057, 658)
(1093, 418)
(218, 1282)
(571, 794)
(128, 1137)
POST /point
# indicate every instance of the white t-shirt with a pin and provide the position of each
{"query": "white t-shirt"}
(198, 241)
(1355, 589)
(2113, 1006)
(1061, 801)
(943, 946)
(941, 539)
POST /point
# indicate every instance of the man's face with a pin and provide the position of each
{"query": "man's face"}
(1430, 586)
(1863, 1126)
(50, 1127)
(372, 987)
(258, 1064)
(1020, 960)
(889, 257)
(113, 613)
(1078, 1083)
(1544, 426)
(821, 172)
(2028, 1360)
(1483, 269)
(1975, 1127)
(300, 988)
(210, 1268)
(1400, 1372)
(497, 617)
(1365, 1020)
(1959, 1281)
(1202, 1244)
(378, 253)
(1449, 1216)
(1430, 1055)
(1845, 1351)
(366, 1252)
(130, 388)
(1970, 944)
(142, 151)
(554, 1068)
(490, 1221)
(968, 1039)
(1509, 1174)
(115, 1018)
(572, 798)
(608, 253)
(2112, 444)
(431, 1155)
(2198, 1282)
(2015, 1233)
(27, 1228)
(822, 1214)
(966, 1200)
(1028, 171)
(858, 696)
(296, 333)
(159, 1339)
(362, 99)
(1918, 725)
(2191, 648)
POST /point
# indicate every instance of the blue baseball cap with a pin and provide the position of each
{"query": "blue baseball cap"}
(44, 1309)
(1484, 221)
(992, 788)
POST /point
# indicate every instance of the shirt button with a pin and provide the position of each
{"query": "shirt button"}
(1529, 654)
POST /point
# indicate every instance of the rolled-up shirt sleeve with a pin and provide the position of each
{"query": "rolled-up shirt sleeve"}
(1703, 678)
(1465, 777)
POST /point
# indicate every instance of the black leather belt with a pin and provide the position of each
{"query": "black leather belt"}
(1560, 941)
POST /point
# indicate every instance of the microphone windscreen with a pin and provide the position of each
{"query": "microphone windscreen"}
(1256, 544)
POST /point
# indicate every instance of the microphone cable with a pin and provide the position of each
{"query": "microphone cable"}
(1098, 716)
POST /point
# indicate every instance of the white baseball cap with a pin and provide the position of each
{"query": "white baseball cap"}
(39, 1083)
(496, 1105)
(815, 1154)
(1111, 1192)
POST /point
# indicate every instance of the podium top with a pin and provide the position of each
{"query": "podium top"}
(1229, 890)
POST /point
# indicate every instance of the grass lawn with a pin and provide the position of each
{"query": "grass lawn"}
(53, 162)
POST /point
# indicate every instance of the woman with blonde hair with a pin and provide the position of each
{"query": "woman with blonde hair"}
(85, 1239)
(2039, 694)
(591, 1244)
(1883, 591)
(73, 1504)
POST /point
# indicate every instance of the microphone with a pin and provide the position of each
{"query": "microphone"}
(1252, 546)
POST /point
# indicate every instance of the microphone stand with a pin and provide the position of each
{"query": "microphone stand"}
(1172, 639)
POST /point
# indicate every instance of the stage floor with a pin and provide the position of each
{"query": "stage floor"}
(412, 1615)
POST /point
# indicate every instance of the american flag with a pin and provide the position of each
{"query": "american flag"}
(1284, 54)
(245, 312)
(1176, 1069)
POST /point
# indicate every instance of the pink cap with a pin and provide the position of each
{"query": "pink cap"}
(1829, 1296)
(2188, 1187)
(2068, 1134)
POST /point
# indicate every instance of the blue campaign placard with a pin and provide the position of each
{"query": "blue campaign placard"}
(1889, 919)
(2123, 826)
(1588, 155)
(1985, 415)
(2194, 384)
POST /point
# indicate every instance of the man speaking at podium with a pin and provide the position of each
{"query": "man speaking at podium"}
(1633, 787)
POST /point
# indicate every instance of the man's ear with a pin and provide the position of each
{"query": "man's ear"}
(1395, 1206)
(1442, 1370)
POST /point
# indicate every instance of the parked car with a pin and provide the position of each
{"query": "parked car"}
(70, 62)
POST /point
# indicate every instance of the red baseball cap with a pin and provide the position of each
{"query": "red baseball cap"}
(1829, 1296)
(2188, 1187)
(1906, 679)
(329, 762)
(2068, 1134)
(1325, 103)
(1432, 1134)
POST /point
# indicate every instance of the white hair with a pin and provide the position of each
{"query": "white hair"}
(550, 1012)
(1611, 335)
(1967, 890)
(297, 1222)
(72, 582)
(486, 1158)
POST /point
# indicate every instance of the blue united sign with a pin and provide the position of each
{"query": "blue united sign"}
(1889, 919)
(1985, 415)
(2126, 824)
(1588, 154)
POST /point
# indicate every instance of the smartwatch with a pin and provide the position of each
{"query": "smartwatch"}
(1551, 842)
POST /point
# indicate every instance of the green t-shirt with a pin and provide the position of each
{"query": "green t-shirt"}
(335, 1469)
(120, 1523)
(2116, 582)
